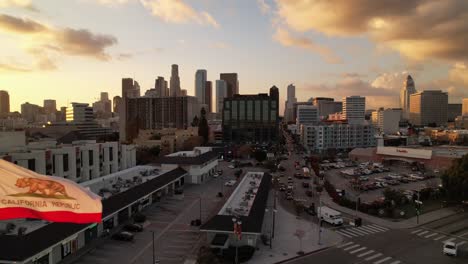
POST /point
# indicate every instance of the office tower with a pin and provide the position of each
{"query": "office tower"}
(387, 121)
(4, 102)
(232, 83)
(221, 93)
(465, 107)
(62, 114)
(50, 106)
(160, 86)
(453, 110)
(296, 105)
(107, 104)
(307, 114)
(428, 108)
(30, 111)
(183, 92)
(289, 104)
(274, 100)
(354, 108)
(103, 107)
(79, 113)
(168, 93)
(327, 106)
(127, 88)
(406, 91)
(200, 86)
(175, 81)
(250, 118)
(208, 96)
(117, 103)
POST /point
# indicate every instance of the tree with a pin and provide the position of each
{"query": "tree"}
(455, 180)
(393, 197)
(203, 128)
(155, 137)
(195, 121)
(260, 155)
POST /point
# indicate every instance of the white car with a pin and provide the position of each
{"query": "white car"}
(450, 249)
(216, 175)
(230, 183)
(231, 166)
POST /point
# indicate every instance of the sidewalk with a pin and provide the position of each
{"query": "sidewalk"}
(404, 224)
(285, 244)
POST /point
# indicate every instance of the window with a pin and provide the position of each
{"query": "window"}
(32, 164)
(234, 110)
(249, 110)
(91, 158)
(265, 111)
(65, 162)
(241, 110)
(53, 164)
(111, 154)
(257, 110)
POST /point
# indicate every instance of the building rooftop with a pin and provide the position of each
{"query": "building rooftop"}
(195, 157)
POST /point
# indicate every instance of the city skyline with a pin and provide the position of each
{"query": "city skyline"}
(141, 39)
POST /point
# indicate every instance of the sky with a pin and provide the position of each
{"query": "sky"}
(71, 50)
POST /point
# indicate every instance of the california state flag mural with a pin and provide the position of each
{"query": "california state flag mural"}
(26, 194)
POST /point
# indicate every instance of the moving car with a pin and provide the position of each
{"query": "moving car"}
(231, 166)
(123, 236)
(329, 215)
(133, 227)
(450, 248)
(230, 183)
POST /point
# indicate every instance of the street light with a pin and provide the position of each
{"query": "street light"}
(238, 233)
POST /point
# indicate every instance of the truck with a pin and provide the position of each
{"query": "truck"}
(329, 215)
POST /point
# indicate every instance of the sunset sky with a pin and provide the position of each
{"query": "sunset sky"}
(71, 50)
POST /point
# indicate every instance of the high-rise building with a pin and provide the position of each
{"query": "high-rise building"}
(160, 86)
(209, 96)
(307, 114)
(289, 115)
(327, 106)
(428, 108)
(232, 83)
(386, 121)
(296, 105)
(354, 108)
(50, 106)
(453, 110)
(79, 113)
(175, 81)
(406, 91)
(103, 107)
(30, 111)
(127, 88)
(221, 93)
(465, 107)
(117, 103)
(251, 118)
(4, 102)
(183, 92)
(200, 86)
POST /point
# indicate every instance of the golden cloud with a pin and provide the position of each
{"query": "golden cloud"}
(286, 39)
(418, 29)
(26, 4)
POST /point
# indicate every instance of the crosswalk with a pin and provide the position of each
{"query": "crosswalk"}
(364, 230)
(436, 236)
(367, 254)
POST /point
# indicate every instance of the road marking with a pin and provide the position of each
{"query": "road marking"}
(343, 234)
(463, 234)
(365, 253)
(437, 238)
(382, 260)
(461, 243)
(396, 262)
(449, 240)
(374, 256)
(357, 250)
(371, 229)
(422, 233)
(380, 227)
(344, 245)
(416, 231)
(431, 235)
(355, 230)
(351, 247)
(367, 232)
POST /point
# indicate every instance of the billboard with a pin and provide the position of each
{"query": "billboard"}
(405, 152)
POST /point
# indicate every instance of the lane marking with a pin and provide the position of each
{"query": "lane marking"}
(461, 243)
(364, 231)
(351, 247)
(343, 234)
(382, 260)
(344, 245)
(396, 262)
(353, 232)
(422, 233)
(431, 235)
(449, 240)
(416, 231)
(380, 227)
(374, 256)
(365, 253)
(437, 238)
(357, 250)
(371, 229)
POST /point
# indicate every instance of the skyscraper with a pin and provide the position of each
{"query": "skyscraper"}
(465, 107)
(327, 106)
(406, 91)
(50, 106)
(127, 92)
(221, 93)
(160, 86)
(117, 103)
(354, 108)
(175, 81)
(200, 86)
(4, 102)
(428, 107)
(289, 105)
(232, 83)
(208, 96)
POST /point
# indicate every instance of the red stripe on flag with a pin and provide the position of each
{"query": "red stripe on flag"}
(53, 216)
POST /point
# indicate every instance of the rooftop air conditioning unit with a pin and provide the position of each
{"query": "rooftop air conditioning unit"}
(22, 230)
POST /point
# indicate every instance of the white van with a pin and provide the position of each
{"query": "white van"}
(329, 215)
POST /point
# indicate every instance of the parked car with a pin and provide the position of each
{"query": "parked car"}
(231, 166)
(216, 175)
(123, 236)
(298, 175)
(230, 183)
(450, 248)
(133, 227)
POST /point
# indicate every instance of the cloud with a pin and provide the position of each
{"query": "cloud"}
(286, 39)
(124, 56)
(26, 4)
(455, 83)
(418, 29)
(11, 68)
(46, 44)
(220, 45)
(178, 12)
(393, 81)
(264, 7)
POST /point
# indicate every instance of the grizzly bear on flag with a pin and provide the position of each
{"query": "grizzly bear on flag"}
(45, 187)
